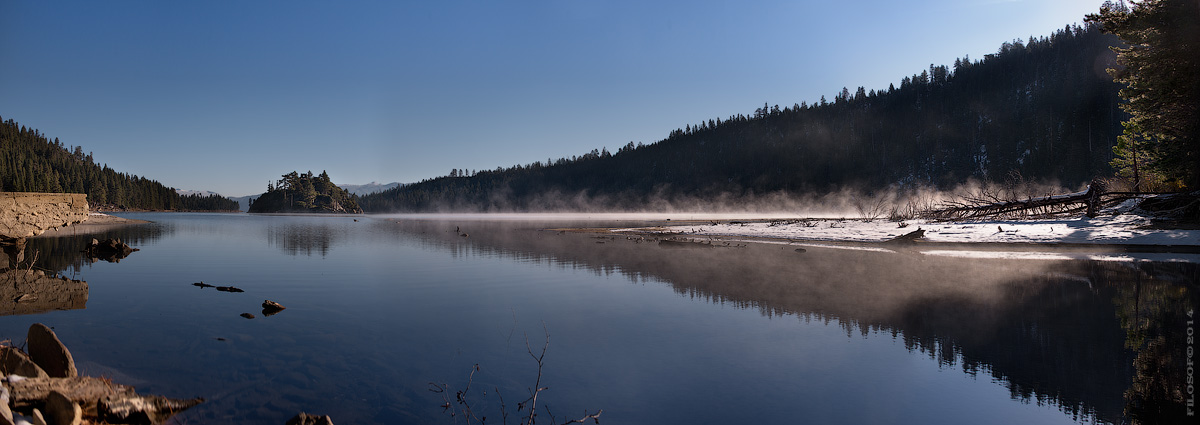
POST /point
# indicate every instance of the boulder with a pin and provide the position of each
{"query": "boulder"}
(14, 362)
(48, 352)
(6, 415)
(60, 410)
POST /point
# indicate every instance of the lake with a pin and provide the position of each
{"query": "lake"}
(380, 307)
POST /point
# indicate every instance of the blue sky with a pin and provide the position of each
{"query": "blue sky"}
(227, 95)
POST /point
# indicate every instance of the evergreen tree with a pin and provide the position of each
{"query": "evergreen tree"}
(30, 162)
(1036, 108)
(1161, 71)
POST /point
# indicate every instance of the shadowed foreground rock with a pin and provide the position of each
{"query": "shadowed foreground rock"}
(68, 398)
(48, 352)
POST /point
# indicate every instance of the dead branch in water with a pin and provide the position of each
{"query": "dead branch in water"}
(465, 410)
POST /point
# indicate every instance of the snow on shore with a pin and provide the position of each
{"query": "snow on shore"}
(1123, 229)
(1109, 236)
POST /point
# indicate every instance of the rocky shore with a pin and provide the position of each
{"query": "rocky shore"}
(42, 386)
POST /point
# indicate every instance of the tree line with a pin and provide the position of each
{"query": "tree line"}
(31, 162)
(1042, 108)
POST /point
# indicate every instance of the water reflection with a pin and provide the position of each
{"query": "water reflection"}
(303, 238)
(67, 250)
(1099, 340)
(30, 281)
(25, 291)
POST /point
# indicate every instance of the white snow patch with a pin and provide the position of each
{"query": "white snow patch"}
(1120, 229)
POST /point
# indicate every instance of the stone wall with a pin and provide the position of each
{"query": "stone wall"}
(24, 215)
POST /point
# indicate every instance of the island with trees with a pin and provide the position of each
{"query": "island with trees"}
(305, 193)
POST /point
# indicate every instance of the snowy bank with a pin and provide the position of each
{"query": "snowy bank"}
(1111, 237)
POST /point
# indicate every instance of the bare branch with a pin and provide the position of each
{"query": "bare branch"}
(595, 417)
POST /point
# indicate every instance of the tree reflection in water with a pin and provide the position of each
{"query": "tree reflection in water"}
(1101, 340)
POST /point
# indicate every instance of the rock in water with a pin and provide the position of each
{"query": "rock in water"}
(146, 410)
(271, 307)
(60, 410)
(14, 362)
(307, 419)
(48, 352)
(247, 315)
(909, 237)
(110, 250)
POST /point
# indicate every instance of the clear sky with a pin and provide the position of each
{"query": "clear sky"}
(227, 95)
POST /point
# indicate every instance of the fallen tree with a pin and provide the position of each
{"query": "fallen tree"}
(991, 204)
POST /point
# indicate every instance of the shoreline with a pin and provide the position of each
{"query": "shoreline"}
(97, 222)
(1112, 238)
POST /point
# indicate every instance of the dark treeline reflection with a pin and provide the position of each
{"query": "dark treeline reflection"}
(63, 251)
(303, 238)
(1098, 339)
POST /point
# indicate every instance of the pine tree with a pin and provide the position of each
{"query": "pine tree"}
(1161, 70)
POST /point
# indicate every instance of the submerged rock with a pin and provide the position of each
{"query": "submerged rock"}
(229, 289)
(142, 410)
(667, 243)
(247, 315)
(307, 419)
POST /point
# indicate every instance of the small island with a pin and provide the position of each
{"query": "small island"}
(305, 193)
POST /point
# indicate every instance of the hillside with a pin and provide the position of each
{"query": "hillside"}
(31, 162)
(305, 193)
(1043, 109)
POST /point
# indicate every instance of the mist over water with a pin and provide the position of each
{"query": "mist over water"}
(380, 307)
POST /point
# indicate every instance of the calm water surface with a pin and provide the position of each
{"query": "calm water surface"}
(379, 308)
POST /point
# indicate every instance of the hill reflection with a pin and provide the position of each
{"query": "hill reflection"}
(1092, 338)
(64, 252)
(304, 238)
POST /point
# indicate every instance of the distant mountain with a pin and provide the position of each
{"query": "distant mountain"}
(245, 201)
(1042, 110)
(369, 188)
(187, 192)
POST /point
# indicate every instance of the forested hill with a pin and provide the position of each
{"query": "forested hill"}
(1044, 108)
(305, 193)
(30, 162)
